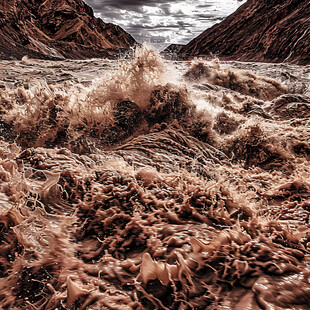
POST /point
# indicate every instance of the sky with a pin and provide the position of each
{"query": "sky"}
(162, 22)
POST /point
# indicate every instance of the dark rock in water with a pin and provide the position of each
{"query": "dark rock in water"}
(57, 29)
(166, 105)
(127, 117)
(262, 30)
(289, 106)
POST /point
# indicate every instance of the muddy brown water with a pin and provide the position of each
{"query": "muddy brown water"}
(149, 184)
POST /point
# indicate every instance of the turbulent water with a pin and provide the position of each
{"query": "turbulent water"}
(148, 184)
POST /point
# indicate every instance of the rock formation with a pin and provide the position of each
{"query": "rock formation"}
(173, 48)
(260, 30)
(57, 29)
(172, 51)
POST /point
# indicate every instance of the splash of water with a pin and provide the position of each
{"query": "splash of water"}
(151, 188)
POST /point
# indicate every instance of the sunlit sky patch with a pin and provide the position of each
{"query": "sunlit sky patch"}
(162, 22)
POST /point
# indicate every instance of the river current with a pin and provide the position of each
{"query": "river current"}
(153, 184)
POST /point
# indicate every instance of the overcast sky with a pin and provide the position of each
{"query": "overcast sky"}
(162, 22)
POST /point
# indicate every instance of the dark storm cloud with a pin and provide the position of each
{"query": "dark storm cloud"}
(162, 22)
(132, 5)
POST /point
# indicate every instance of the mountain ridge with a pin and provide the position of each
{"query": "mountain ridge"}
(57, 30)
(259, 30)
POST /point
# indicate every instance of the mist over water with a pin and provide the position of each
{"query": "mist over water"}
(152, 184)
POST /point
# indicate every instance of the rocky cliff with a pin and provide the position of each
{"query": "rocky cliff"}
(260, 30)
(57, 29)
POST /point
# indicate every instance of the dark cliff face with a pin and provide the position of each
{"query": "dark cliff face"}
(57, 29)
(260, 30)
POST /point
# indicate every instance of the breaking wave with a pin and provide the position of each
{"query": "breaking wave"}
(158, 186)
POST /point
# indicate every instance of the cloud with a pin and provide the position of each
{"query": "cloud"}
(162, 22)
(132, 5)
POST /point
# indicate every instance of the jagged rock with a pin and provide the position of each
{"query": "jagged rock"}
(172, 51)
(57, 29)
(260, 30)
